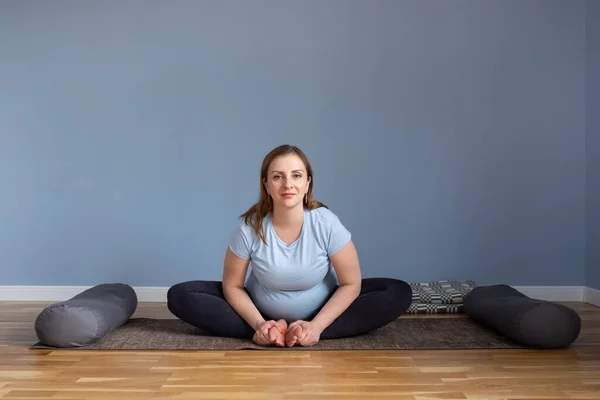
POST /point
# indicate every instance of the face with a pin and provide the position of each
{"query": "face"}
(287, 181)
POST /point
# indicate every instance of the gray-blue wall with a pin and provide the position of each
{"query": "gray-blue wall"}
(592, 278)
(448, 136)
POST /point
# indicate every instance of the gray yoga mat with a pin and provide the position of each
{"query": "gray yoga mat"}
(402, 334)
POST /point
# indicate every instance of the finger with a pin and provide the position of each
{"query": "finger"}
(303, 341)
(282, 326)
(266, 334)
(293, 341)
(265, 325)
(295, 334)
(304, 336)
(273, 333)
(308, 340)
(258, 340)
(265, 329)
(264, 340)
(292, 331)
(290, 338)
(279, 339)
(261, 338)
(287, 339)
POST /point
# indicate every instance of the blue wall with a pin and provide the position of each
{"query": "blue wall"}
(592, 278)
(448, 136)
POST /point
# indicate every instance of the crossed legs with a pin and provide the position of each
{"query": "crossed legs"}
(202, 304)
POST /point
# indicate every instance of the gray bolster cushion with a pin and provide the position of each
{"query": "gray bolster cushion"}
(530, 322)
(86, 317)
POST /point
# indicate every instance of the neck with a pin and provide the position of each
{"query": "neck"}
(288, 218)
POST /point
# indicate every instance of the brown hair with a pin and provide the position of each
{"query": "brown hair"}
(256, 214)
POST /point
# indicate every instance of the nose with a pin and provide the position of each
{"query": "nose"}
(287, 183)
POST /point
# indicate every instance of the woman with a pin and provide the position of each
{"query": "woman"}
(305, 270)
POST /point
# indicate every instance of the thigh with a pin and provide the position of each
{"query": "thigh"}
(214, 288)
(381, 301)
(202, 304)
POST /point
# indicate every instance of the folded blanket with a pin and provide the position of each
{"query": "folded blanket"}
(422, 308)
(439, 297)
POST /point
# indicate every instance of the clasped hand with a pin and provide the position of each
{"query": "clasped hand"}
(299, 332)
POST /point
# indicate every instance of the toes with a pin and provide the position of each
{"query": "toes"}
(293, 335)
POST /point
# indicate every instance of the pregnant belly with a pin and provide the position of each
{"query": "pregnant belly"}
(291, 305)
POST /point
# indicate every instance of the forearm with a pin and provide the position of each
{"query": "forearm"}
(242, 303)
(337, 304)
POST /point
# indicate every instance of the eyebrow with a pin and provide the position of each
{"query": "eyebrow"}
(281, 172)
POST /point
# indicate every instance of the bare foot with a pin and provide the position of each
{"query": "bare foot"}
(277, 333)
(292, 335)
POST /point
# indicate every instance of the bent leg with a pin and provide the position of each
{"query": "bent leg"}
(381, 301)
(203, 305)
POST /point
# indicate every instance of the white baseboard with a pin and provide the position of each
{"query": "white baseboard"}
(62, 293)
(592, 296)
(553, 293)
(159, 294)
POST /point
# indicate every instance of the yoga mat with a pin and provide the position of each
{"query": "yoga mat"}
(402, 334)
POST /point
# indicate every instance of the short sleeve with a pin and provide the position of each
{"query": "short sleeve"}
(339, 236)
(240, 241)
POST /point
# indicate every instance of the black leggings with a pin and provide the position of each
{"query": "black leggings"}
(203, 305)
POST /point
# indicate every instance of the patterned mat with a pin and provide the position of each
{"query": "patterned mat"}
(439, 297)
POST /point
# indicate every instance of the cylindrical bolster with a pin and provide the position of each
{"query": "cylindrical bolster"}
(86, 317)
(530, 322)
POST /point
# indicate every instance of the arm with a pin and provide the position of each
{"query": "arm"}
(347, 268)
(234, 274)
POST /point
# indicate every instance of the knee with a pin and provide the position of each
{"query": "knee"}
(173, 297)
(398, 291)
(400, 295)
(387, 283)
(401, 289)
(181, 292)
(177, 293)
(174, 291)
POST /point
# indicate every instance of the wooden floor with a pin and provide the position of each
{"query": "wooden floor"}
(311, 375)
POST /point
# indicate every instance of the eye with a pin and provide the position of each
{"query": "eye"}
(298, 176)
(276, 177)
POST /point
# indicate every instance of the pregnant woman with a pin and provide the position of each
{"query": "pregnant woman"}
(305, 282)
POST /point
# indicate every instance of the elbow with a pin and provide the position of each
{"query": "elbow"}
(230, 291)
(357, 288)
(353, 289)
(227, 292)
(357, 284)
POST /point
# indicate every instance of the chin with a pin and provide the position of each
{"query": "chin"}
(291, 204)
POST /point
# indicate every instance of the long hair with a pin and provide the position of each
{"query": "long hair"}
(256, 214)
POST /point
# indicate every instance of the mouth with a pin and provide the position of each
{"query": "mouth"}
(288, 195)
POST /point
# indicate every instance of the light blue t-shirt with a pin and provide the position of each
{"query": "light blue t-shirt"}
(294, 281)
